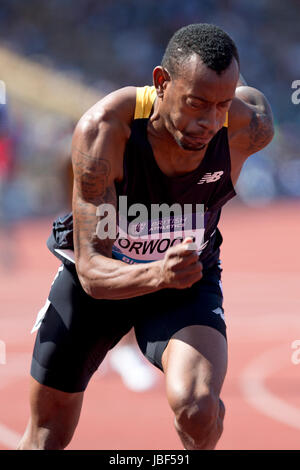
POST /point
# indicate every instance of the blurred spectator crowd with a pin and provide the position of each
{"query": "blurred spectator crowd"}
(110, 44)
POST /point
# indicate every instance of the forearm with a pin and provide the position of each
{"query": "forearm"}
(106, 278)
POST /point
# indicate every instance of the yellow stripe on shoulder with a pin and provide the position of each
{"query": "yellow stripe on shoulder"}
(226, 120)
(145, 97)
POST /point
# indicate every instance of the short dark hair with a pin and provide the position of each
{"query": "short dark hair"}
(211, 43)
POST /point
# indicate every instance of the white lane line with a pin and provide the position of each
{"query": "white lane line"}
(9, 438)
(256, 393)
(15, 368)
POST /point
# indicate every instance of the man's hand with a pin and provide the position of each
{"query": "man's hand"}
(181, 267)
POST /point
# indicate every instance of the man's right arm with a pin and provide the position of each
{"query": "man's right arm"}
(97, 157)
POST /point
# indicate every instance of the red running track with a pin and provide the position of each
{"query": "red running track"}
(261, 260)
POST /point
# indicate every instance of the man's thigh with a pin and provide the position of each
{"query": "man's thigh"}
(169, 313)
(195, 363)
(75, 334)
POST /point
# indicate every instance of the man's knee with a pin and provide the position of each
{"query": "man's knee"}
(197, 412)
(198, 415)
(43, 437)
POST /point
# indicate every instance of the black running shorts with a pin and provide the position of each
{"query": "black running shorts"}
(76, 331)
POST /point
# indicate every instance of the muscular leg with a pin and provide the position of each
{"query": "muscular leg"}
(54, 417)
(195, 364)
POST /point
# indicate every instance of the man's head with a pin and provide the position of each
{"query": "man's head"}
(196, 83)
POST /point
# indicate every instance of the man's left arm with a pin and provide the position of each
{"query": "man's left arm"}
(251, 125)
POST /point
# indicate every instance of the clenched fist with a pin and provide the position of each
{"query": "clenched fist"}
(180, 267)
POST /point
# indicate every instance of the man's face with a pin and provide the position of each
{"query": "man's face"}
(195, 103)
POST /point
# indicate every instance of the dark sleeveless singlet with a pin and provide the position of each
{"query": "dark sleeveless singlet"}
(144, 183)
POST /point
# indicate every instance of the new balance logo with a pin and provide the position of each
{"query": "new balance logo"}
(211, 177)
(219, 311)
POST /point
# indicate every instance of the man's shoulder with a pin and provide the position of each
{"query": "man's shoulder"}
(250, 121)
(113, 111)
(239, 115)
(101, 134)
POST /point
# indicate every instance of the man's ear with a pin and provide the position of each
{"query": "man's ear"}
(161, 77)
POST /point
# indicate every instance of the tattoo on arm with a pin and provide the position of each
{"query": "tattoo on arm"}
(93, 188)
(260, 131)
(92, 174)
(251, 121)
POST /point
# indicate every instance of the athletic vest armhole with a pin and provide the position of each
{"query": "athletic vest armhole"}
(145, 97)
